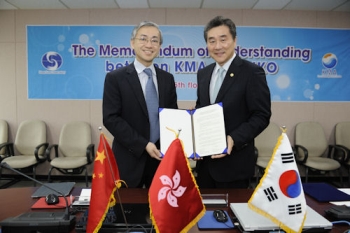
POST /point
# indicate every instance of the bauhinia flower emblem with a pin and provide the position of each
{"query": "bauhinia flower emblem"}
(171, 191)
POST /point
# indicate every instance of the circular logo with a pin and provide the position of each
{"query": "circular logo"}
(51, 61)
(329, 60)
(290, 184)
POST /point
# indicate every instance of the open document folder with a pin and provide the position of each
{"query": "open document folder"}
(201, 131)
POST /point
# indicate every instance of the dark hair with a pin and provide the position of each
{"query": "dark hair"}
(148, 24)
(218, 21)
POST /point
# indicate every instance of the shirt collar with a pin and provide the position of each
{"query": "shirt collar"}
(140, 67)
(226, 65)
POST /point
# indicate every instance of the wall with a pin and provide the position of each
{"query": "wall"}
(15, 107)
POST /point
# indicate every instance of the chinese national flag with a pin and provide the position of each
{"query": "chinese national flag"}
(175, 201)
(279, 196)
(105, 180)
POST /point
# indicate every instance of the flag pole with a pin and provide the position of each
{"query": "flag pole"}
(109, 162)
(115, 181)
(179, 131)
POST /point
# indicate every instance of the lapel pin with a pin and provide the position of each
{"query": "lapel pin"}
(231, 75)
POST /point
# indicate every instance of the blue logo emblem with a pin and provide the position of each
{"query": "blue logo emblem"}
(51, 61)
(329, 60)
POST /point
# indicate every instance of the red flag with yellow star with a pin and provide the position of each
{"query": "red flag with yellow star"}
(105, 180)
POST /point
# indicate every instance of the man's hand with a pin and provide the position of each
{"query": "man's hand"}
(230, 144)
(153, 151)
(197, 158)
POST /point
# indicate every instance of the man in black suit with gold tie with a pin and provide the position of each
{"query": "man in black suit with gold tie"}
(131, 98)
(242, 88)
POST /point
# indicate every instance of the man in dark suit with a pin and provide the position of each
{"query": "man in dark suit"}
(246, 104)
(126, 113)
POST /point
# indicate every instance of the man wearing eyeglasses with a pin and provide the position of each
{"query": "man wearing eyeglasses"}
(131, 98)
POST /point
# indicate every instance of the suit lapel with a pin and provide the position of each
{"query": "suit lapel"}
(230, 77)
(135, 85)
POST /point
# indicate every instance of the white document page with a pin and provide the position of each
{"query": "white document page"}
(209, 130)
(84, 198)
(173, 121)
(85, 195)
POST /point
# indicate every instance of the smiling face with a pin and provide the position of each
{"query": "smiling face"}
(221, 45)
(146, 44)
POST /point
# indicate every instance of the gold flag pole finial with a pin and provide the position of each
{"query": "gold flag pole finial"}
(284, 129)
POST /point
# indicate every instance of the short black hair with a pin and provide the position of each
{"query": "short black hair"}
(218, 21)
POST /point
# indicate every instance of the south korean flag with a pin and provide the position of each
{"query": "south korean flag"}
(279, 196)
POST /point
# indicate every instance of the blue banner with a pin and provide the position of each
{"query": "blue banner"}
(301, 64)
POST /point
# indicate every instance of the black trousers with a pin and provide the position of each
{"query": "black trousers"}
(205, 180)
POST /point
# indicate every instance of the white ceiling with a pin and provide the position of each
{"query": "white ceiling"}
(313, 5)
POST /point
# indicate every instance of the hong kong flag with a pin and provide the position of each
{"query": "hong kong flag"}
(174, 198)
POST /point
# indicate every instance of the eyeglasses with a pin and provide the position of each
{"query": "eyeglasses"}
(145, 40)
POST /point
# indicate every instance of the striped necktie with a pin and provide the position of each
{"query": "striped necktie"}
(152, 106)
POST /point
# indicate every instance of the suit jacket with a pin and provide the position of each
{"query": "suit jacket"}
(247, 111)
(125, 116)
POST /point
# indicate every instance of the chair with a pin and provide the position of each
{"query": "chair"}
(341, 149)
(4, 149)
(311, 148)
(265, 143)
(30, 143)
(74, 150)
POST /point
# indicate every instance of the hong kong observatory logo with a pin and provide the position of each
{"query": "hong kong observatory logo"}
(52, 62)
